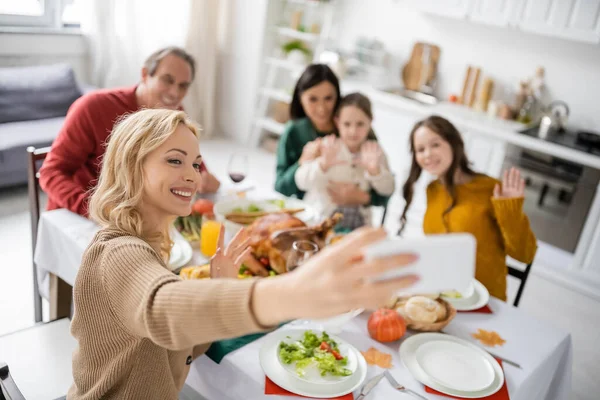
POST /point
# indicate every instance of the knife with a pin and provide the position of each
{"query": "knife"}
(369, 386)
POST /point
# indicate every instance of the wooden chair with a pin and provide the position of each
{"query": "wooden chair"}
(522, 275)
(384, 215)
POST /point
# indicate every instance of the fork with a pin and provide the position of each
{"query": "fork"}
(401, 388)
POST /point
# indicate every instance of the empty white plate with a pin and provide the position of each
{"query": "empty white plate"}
(408, 355)
(479, 298)
(456, 366)
(269, 362)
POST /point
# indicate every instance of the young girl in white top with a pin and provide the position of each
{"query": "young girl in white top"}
(353, 156)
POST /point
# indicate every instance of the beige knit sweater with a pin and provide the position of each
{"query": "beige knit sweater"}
(139, 326)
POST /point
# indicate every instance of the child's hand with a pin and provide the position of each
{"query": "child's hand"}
(310, 151)
(370, 157)
(330, 150)
(226, 263)
(513, 186)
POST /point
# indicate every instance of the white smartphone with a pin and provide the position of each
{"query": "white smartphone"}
(446, 262)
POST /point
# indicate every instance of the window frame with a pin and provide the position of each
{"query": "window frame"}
(52, 18)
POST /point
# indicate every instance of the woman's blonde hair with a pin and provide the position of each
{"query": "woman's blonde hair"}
(116, 198)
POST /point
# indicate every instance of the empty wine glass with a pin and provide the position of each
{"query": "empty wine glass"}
(301, 251)
(238, 167)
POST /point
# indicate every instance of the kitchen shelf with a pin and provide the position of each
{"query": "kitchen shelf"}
(310, 3)
(277, 94)
(306, 36)
(270, 125)
(285, 64)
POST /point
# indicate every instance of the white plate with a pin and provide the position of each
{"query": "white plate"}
(269, 361)
(338, 320)
(221, 208)
(312, 373)
(408, 355)
(478, 299)
(181, 252)
(455, 366)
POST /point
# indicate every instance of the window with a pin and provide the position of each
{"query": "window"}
(40, 13)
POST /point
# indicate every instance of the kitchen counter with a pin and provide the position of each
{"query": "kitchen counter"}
(473, 122)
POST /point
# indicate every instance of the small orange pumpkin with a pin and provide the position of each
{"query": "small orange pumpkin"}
(386, 325)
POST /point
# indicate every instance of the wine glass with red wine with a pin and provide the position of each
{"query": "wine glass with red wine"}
(238, 167)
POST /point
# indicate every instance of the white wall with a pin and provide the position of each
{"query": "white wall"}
(17, 49)
(504, 54)
(239, 66)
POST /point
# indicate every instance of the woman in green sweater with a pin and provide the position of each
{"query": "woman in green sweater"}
(315, 100)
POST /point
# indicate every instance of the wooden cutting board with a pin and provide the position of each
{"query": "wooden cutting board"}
(414, 70)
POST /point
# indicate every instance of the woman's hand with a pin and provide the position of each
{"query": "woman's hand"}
(208, 183)
(336, 280)
(513, 186)
(347, 194)
(226, 263)
(330, 151)
(370, 157)
(310, 151)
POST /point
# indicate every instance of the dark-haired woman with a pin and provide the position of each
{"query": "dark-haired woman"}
(314, 103)
(461, 200)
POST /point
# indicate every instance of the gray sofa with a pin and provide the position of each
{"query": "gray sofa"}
(33, 104)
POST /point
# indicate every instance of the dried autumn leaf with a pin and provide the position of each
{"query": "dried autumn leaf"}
(376, 357)
(488, 338)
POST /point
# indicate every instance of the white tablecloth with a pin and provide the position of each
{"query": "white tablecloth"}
(63, 237)
(544, 353)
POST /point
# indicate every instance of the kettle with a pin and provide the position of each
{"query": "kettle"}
(554, 118)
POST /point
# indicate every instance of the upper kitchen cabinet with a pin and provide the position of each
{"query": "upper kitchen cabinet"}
(495, 12)
(446, 8)
(570, 19)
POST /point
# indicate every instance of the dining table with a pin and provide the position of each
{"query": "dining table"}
(63, 237)
(542, 352)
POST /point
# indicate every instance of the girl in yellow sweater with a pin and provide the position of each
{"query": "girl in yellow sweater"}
(461, 200)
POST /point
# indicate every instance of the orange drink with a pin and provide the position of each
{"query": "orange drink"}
(209, 236)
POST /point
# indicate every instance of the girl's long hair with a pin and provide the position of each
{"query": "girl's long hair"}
(116, 198)
(450, 134)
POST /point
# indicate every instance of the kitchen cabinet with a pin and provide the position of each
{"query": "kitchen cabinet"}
(393, 131)
(485, 154)
(392, 128)
(494, 12)
(569, 19)
(446, 8)
(589, 243)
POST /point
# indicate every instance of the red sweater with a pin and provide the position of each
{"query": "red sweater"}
(72, 167)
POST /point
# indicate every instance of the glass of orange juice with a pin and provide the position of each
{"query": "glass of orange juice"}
(209, 236)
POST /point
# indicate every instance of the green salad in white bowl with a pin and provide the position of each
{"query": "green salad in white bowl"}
(317, 357)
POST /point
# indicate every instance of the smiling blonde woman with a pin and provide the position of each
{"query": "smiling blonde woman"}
(138, 325)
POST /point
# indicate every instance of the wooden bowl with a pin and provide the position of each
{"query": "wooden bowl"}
(426, 326)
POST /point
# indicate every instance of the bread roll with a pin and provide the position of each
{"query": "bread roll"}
(422, 309)
(195, 272)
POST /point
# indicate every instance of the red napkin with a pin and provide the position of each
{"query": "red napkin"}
(483, 310)
(501, 394)
(272, 388)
